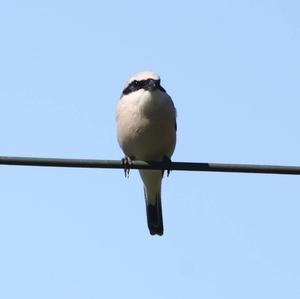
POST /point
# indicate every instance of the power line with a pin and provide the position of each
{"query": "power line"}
(117, 164)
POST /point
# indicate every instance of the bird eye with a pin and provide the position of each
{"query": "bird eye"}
(135, 83)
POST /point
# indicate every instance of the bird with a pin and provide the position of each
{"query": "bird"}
(146, 130)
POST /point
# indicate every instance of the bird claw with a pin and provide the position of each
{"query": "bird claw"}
(127, 162)
(167, 165)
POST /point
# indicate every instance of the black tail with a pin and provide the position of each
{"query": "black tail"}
(154, 215)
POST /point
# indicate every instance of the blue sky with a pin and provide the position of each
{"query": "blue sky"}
(232, 69)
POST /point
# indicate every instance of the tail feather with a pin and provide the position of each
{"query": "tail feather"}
(154, 215)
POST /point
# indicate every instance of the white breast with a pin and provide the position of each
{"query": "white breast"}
(146, 125)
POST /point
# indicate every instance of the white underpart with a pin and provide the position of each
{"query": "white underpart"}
(146, 131)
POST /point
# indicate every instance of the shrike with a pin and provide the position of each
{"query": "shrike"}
(146, 128)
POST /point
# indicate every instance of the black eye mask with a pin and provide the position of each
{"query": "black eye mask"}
(148, 84)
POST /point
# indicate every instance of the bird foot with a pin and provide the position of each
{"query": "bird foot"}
(167, 165)
(127, 162)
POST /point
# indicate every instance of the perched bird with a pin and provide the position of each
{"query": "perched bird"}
(146, 129)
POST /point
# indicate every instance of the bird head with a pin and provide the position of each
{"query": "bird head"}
(143, 80)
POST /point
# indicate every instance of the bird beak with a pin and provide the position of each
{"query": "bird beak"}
(152, 85)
